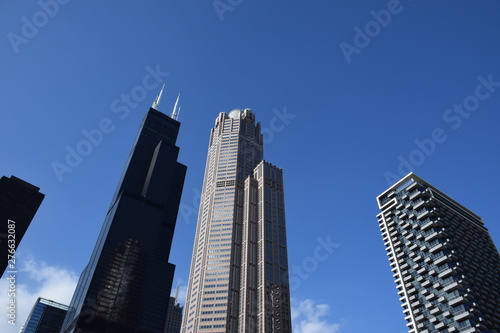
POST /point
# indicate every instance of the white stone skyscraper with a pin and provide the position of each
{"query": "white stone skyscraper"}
(239, 271)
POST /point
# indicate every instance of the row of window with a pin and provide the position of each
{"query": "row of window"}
(218, 267)
(219, 240)
(219, 250)
(214, 305)
(213, 319)
(212, 326)
(218, 273)
(213, 312)
(217, 245)
(217, 279)
(216, 285)
(209, 292)
(219, 255)
(214, 298)
(222, 229)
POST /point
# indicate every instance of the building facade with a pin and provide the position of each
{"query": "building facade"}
(174, 317)
(444, 261)
(239, 271)
(46, 317)
(127, 282)
(19, 202)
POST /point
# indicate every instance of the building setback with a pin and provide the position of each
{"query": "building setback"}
(444, 261)
(19, 202)
(239, 270)
(126, 284)
(46, 317)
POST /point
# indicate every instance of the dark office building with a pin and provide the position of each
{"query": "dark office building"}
(126, 284)
(46, 317)
(174, 317)
(19, 202)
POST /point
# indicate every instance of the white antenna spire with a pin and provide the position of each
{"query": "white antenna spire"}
(177, 108)
(156, 103)
(177, 291)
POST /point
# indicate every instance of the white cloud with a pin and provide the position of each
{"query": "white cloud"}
(34, 279)
(308, 317)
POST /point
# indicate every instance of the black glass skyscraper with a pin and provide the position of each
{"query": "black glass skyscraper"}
(126, 284)
(19, 201)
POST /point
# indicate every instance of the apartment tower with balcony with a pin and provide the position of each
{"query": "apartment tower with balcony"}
(443, 260)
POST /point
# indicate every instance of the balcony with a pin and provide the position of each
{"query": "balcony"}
(435, 311)
(447, 314)
(412, 291)
(446, 273)
(426, 283)
(462, 316)
(418, 204)
(438, 247)
(420, 318)
(442, 259)
(456, 301)
(418, 258)
(452, 286)
(440, 325)
(422, 270)
(427, 225)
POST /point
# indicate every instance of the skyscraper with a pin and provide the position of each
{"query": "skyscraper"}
(239, 270)
(126, 284)
(444, 261)
(19, 201)
(174, 317)
(46, 317)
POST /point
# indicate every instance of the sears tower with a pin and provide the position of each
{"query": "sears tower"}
(126, 285)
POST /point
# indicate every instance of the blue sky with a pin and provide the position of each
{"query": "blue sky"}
(353, 94)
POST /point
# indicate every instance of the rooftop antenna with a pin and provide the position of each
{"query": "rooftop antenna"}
(177, 293)
(177, 108)
(156, 103)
